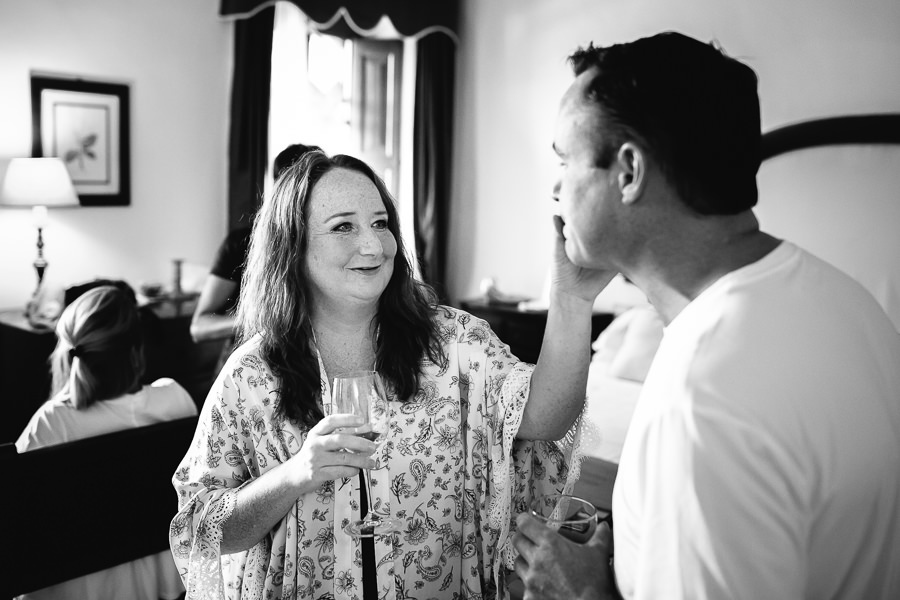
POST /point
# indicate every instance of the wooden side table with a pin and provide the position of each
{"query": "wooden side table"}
(523, 330)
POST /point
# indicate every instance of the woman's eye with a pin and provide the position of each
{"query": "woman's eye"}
(343, 227)
(380, 224)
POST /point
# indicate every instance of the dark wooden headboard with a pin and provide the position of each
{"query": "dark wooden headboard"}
(854, 129)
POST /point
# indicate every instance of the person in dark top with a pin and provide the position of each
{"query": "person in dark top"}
(229, 264)
(214, 316)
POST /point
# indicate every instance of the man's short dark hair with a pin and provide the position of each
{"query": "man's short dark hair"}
(690, 106)
(289, 156)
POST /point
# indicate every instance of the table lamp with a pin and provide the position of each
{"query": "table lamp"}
(39, 183)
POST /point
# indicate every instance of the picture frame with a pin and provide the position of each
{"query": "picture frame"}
(85, 123)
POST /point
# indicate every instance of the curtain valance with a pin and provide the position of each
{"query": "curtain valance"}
(410, 17)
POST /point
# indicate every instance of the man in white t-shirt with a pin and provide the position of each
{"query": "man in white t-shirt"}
(763, 458)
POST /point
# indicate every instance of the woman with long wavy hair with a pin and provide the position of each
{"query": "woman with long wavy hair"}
(269, 481)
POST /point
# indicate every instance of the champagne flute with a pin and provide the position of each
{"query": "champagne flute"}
(362, 393)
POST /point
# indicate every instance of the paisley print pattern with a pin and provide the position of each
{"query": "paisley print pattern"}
(451, 470)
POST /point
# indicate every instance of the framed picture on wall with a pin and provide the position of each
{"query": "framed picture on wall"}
(85, 123)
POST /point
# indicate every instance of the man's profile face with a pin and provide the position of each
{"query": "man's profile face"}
(587, 194)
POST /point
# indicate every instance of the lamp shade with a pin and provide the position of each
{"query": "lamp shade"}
(37, 181)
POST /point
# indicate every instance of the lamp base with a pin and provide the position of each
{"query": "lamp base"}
(43, 309)
(33, 315)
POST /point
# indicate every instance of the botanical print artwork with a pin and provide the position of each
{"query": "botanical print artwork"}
(83, 151)
(86, 124)
(78, 131)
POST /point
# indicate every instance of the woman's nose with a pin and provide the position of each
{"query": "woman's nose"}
(555, 193)
(370, 243)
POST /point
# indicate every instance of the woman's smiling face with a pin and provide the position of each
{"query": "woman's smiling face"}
(350, 254)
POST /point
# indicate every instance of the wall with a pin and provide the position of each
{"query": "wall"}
(176, 57)
(814, 58)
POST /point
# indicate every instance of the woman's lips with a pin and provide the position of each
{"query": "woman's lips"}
(366, 269)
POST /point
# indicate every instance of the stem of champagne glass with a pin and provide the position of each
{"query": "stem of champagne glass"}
(370, 513)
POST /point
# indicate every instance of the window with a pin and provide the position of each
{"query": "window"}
(341, 95)
(375, 106)
(348, 97)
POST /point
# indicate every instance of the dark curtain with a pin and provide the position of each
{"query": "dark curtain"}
(249, 134)
(433, 132)
(408, 16)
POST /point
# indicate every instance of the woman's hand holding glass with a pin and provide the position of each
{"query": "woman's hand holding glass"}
(328, 453)
(362, 394)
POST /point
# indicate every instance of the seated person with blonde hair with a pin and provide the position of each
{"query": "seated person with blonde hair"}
(97, 367)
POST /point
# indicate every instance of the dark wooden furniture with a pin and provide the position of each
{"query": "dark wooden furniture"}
(523, 330)
(169, 349)
(172, 353)
(24, 371)
(83, 506)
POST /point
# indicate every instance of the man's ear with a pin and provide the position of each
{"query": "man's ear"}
(633, 172)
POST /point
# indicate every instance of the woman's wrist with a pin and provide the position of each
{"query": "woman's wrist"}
(570, 302)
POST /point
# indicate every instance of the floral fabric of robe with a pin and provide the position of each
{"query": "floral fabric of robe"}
(450, 470)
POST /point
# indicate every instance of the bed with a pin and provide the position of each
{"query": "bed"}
(831, 186)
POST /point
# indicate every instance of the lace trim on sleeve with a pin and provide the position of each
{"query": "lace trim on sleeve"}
(583, 434)
(204, 575)
(513, 394)
(580, 435)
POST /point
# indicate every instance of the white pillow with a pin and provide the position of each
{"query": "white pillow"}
(608, 342)
(629, 343)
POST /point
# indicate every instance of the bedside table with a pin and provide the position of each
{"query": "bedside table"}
(523, 330)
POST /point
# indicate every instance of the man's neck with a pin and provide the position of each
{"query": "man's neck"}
(679, 268)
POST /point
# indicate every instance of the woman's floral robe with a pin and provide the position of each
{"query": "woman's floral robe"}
(450, 470)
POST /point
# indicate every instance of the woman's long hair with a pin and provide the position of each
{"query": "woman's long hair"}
(274, 300)
(99, 351)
